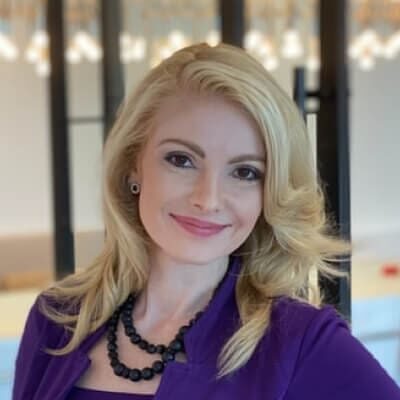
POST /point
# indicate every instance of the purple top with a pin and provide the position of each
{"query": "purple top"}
(89, 394)
(307, 353)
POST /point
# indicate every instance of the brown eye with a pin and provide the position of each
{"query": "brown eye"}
(249, 174)
(178, 160)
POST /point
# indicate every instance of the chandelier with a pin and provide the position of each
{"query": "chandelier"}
(278, 29)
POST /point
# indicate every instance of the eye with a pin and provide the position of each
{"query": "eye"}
(249, 174)
(177, 159)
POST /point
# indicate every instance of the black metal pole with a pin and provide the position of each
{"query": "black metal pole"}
(113, 86)
(299, 90)
(333, 136)
(232, 14)
(63, 235)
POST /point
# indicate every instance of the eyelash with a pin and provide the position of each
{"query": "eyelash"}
(257, 174)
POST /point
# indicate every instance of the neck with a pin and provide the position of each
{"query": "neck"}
(176, 291)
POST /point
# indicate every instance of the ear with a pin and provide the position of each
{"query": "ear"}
(133, 177)
(135, 174)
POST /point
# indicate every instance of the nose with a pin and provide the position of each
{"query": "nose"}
(206, 193)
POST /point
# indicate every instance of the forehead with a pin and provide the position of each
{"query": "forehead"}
(210, 121)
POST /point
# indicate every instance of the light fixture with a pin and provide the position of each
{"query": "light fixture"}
(8, 50)
(292, 47)
(213, 37)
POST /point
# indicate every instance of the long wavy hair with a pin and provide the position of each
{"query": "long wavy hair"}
(292, 237)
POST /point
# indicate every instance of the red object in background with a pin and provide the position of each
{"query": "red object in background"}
(390, 269)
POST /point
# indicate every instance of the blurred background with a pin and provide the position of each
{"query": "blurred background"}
(283, 35)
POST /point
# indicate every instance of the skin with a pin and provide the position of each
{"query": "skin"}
(185, 269)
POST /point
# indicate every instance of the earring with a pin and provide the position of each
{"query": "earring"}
(135, 187)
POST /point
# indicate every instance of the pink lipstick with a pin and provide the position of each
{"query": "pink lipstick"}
(198, 227)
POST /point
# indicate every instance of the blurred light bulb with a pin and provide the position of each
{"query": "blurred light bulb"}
(366, 62)
(138, 50)
(292, 46)
(43, 68)
(313, 60)
(213, 37)
(125, 40)
(80, 38)
(392, 46)
(313, 63)
(7, 48)
(265, 48)
(88, 46)
(94, 53)
(31, 54)
(368, 36)
(252, 39)
(165, 52)
(73, 55)
(40, 38)
(176, 39)
(271, 63)
(355, 49)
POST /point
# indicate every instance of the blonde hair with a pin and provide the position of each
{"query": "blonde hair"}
(291, 238)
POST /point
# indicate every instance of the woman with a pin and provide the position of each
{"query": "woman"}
(214, 219)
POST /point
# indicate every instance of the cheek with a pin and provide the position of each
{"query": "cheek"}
(250, 210)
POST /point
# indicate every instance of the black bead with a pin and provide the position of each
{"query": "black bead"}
(183, 329)
(198, 315)
(135, 375)
(176, 345)
(147, 373)
(127, 312)
(151, 348)
(160, 348)
(112, 327)
(130, 330)
(143, 344)
(111, 346)
(167, 356)
(135, 338)
(179, 336)
(114, 318)
(158, 367)
(125, 372)
(111, 336)
(119, 369)
(114, 362)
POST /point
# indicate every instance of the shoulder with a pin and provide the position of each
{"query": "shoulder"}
(294, 318)
(38, 327)
(297, 327)
(322, 358)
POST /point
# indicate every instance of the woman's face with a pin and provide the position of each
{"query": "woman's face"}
(188, 169)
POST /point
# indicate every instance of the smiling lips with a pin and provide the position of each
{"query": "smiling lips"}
(198, 227)
(197, 222)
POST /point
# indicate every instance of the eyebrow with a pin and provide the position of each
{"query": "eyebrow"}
(199, 151)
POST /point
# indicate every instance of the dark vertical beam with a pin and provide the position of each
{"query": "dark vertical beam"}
(113, 86)
(63, 236)
(333, 135)
(299, 90)
(232, 14)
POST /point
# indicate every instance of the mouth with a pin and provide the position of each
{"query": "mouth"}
(198, 230)
(198, 223)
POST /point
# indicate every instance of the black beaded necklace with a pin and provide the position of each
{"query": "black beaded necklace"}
(167, 352)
